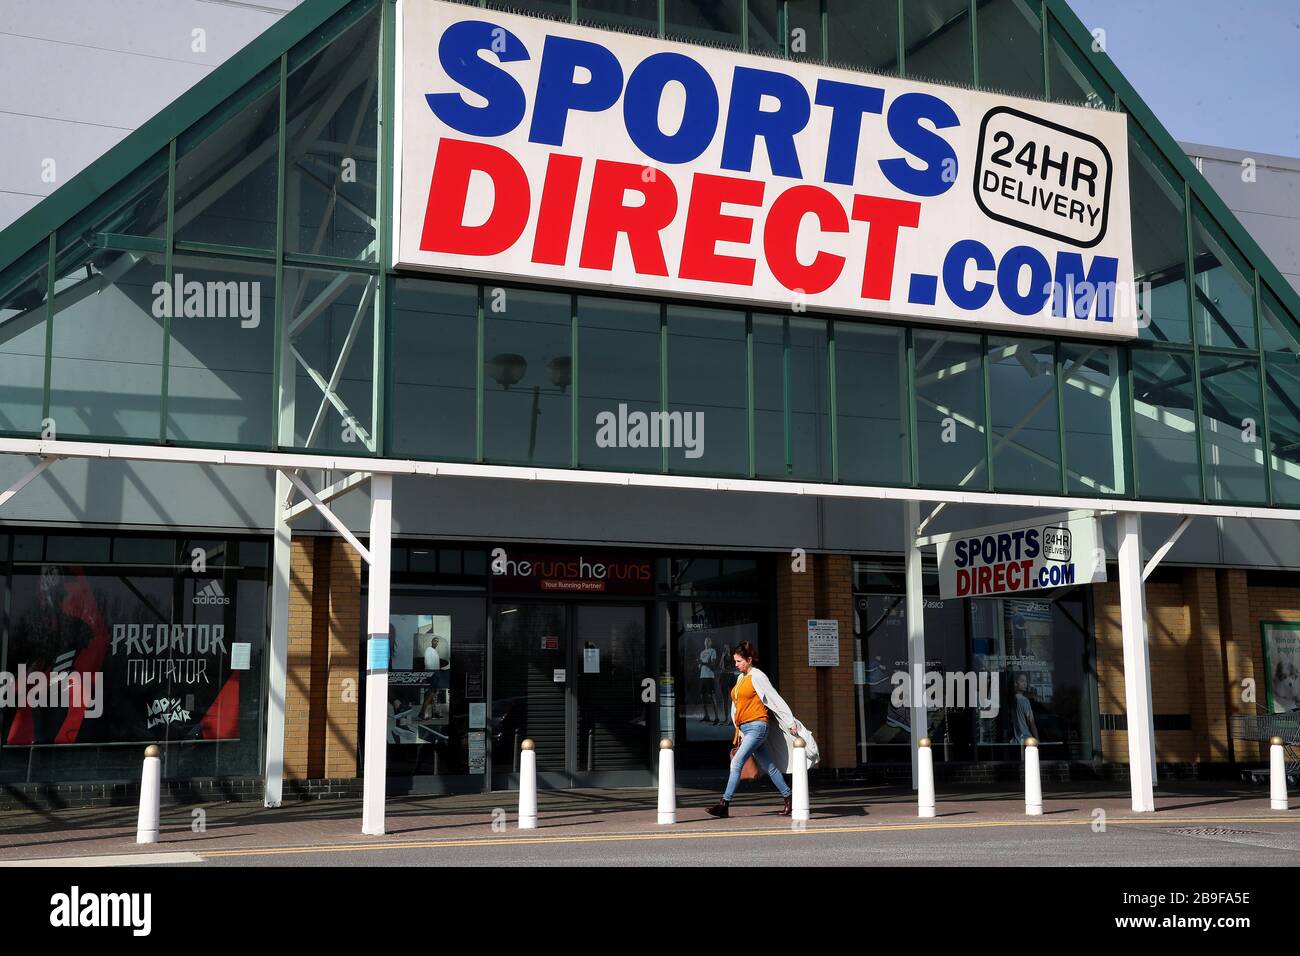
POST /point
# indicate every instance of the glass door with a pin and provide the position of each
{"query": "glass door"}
(613, 736)
(530, 674)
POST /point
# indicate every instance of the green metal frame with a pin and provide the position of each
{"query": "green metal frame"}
(306, 30)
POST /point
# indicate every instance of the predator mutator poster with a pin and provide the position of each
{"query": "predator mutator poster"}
(107, 658)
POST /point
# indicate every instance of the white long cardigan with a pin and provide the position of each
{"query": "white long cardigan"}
(779, 718)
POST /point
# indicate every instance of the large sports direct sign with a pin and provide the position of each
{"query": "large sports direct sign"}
(547, 152)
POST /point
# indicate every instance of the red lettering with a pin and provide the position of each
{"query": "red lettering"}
(963, 582)
(999, 577)
(886, 217)
(444, 217)
(555, 217)
(781, 233)
(983, 574)
(706, 226)
(607, 216)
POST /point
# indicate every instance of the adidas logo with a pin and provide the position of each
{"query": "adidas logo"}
(211, 594)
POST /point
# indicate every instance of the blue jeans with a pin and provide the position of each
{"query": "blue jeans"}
(753, 740)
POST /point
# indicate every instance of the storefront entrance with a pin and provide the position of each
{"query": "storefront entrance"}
(569, 676)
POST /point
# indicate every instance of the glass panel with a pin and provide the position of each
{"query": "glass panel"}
(1022, 400)
(1280, 331)
(527, 401)
(1038, 652)
(1224, 309)
(438, 671)
(434, 368)
(705, 634)
(529, 644)
(332, 106)
(549, 9)
(765, 27)
(863, 34)
(639, 15)
(1284, 426)
(707, 388)
(226, 176)
(937, 40)
(1011, 47)
(871, 403)
(618, 384)
(712, 21)
(949, 409)
(1072, 77)
(22, 343)
(1094, 419)
(1164, 425)
(222, 354)
(809, 399)
(111, 619)
(804, 29)
(106, 373)
(613, 718)
(329, 331)
(1232, 427)
(1159, 243)
(769, 396)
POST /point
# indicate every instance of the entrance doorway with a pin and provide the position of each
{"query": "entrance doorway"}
(570, 676)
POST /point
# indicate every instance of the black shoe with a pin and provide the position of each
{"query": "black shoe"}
(785, 808)
(719, 810)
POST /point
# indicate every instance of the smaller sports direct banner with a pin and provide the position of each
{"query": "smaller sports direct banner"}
(540, 151)
(1052, 552)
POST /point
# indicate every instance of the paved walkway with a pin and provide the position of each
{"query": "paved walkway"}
(234, 829)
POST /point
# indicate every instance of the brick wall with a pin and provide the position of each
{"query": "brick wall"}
(822, 697)
(344, 660)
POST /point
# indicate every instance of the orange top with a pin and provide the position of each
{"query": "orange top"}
(748, 706)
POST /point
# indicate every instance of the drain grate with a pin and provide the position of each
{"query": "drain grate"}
(1228, 832)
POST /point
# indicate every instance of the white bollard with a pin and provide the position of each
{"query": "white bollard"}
(527, 786)
(1033, 780)
(925, 778)
(667, 783)
(146, 829)
(1277, 775)
(800, 810)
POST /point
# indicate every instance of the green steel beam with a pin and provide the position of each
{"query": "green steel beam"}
(169, 276)
(208, 94)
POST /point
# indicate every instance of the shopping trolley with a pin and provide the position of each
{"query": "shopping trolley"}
(1264, 727)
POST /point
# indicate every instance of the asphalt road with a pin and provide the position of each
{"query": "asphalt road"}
(952, 844)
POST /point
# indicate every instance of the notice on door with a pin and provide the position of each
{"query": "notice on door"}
(823, 643)
(591, 659)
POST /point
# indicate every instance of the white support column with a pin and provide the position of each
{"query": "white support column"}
(1137, 663)
(915, 606)
(278, 671)
(377, 651)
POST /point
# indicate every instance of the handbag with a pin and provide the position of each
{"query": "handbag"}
(750, 770)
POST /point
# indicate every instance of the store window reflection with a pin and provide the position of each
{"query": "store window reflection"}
(997, 671)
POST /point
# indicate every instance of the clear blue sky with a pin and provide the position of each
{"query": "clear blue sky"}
(1219, 72)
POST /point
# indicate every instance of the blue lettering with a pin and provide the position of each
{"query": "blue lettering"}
(1083, 290)
(940, 171)
(746, 122)
(1040, 280)
(1032, 546)
(645, 90)
(954, 274)
(557, 93)
(848, 101)
(458, 52)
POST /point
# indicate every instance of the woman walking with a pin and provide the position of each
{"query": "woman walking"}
(754, 701)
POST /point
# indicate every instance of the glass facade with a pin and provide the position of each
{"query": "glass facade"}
(135, 640)
(1018, 668)
(270, 211)
(492, 646)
